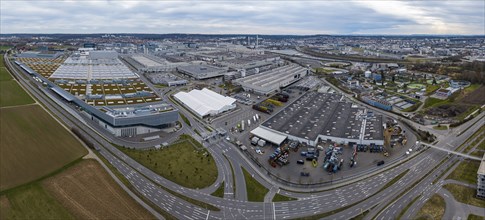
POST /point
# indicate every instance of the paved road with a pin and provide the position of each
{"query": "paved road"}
(425, 188)
(366, 192)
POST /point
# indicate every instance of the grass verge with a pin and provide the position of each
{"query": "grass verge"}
(255, 190)
(465, 172)
(282, 198)
(465, 194)
(440, 127)
(475, 217)
(219, 191)
(434, 208)
(185, 119)
(185, 162)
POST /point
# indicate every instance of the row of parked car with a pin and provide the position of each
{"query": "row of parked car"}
(371, 148)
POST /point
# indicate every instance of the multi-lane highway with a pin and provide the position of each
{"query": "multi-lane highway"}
(356, 195)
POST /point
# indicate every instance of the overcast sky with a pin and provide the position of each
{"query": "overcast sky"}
(244, 17)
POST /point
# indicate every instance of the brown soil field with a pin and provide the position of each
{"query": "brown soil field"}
(88, 192)
(476, 97)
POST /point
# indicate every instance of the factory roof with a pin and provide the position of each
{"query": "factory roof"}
(81, 67)
(202, 71)
(205, 101)
(316, 114)
(145, 61)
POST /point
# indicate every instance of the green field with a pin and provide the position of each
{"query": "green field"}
(32, 145)
(2, 64)
(186, 162)
(31, 202)
(466, 172)
(255, 190)
(11, 94)
(434, 208)
(431, 89)
(434, 101)
(416, 86)
(465, 194)
(4, 75)
(10, 91)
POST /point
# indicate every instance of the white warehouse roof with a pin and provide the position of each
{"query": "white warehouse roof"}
(206, 102)
(269, 135)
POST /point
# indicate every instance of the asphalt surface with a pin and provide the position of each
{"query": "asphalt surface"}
(363, 194)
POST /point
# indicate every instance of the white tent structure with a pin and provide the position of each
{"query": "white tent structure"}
(205, 102)
(270, 136)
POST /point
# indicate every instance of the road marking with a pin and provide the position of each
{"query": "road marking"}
(274, 212)
(208, 212)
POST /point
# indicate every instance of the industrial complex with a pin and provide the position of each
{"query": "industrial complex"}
(90, 80)
(262, 126)
(318, 117)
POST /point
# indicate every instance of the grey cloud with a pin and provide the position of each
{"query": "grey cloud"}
(264, 17)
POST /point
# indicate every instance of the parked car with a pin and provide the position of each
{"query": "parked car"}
(300, 162)
(380, 163)
(304, 173)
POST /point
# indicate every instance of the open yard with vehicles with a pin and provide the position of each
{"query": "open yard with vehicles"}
(32, 145)
(185, 162)
(82, 191)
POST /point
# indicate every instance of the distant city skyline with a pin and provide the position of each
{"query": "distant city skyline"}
(245, 17)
